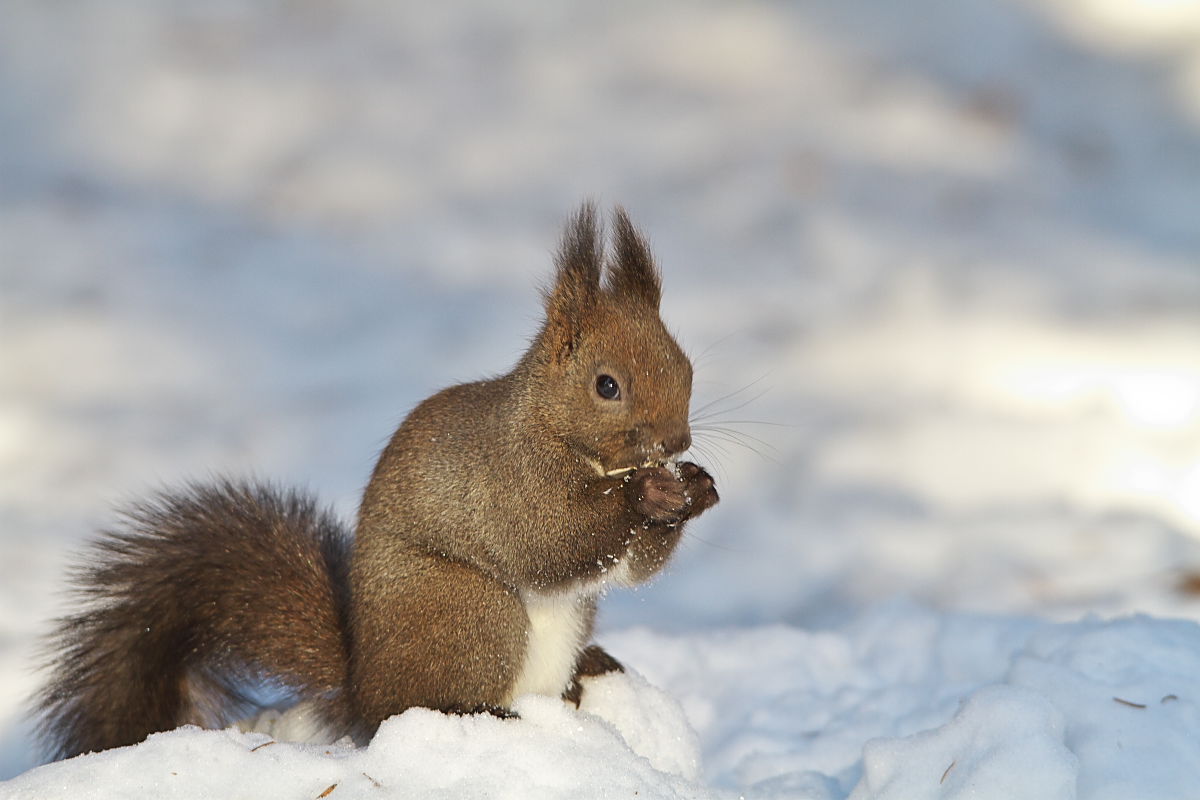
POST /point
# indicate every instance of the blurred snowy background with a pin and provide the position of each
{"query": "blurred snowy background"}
(938, 263)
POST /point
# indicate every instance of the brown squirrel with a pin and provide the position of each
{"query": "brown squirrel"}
(494, 519)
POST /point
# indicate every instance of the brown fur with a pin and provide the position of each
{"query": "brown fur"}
(488, 492)
(200, 590)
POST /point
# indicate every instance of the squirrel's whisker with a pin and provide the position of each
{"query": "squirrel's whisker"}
(699, 412)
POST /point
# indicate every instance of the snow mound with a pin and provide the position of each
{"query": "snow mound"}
(903, 704)
(632, 742)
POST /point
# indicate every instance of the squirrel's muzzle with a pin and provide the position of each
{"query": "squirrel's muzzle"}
(677, 443)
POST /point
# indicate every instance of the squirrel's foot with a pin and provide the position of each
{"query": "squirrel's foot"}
(483, 708)
(592, 661)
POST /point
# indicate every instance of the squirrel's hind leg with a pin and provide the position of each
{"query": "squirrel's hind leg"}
(435, 633)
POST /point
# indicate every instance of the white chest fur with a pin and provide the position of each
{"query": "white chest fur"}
(556, 634)
(557, 626)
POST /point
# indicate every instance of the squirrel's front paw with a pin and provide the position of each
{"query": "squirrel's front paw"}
(658, 495)
(699, 489)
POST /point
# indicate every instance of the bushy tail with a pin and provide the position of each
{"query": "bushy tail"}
(196, 593)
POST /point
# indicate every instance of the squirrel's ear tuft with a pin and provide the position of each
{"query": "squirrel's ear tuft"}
(577, 280)
(632, 272)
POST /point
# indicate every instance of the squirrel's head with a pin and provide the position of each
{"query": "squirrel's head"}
(614, 384)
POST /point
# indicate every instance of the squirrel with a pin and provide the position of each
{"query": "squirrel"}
(496, 516)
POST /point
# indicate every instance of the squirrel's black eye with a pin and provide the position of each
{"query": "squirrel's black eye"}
(606, 387)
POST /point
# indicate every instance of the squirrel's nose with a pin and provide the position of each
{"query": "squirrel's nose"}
(677, 443)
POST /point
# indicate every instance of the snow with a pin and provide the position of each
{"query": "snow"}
(938, 265)
(905, 703)
(553, 752)
(1013, 748)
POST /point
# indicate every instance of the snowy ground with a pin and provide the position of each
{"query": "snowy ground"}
(938, 264)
